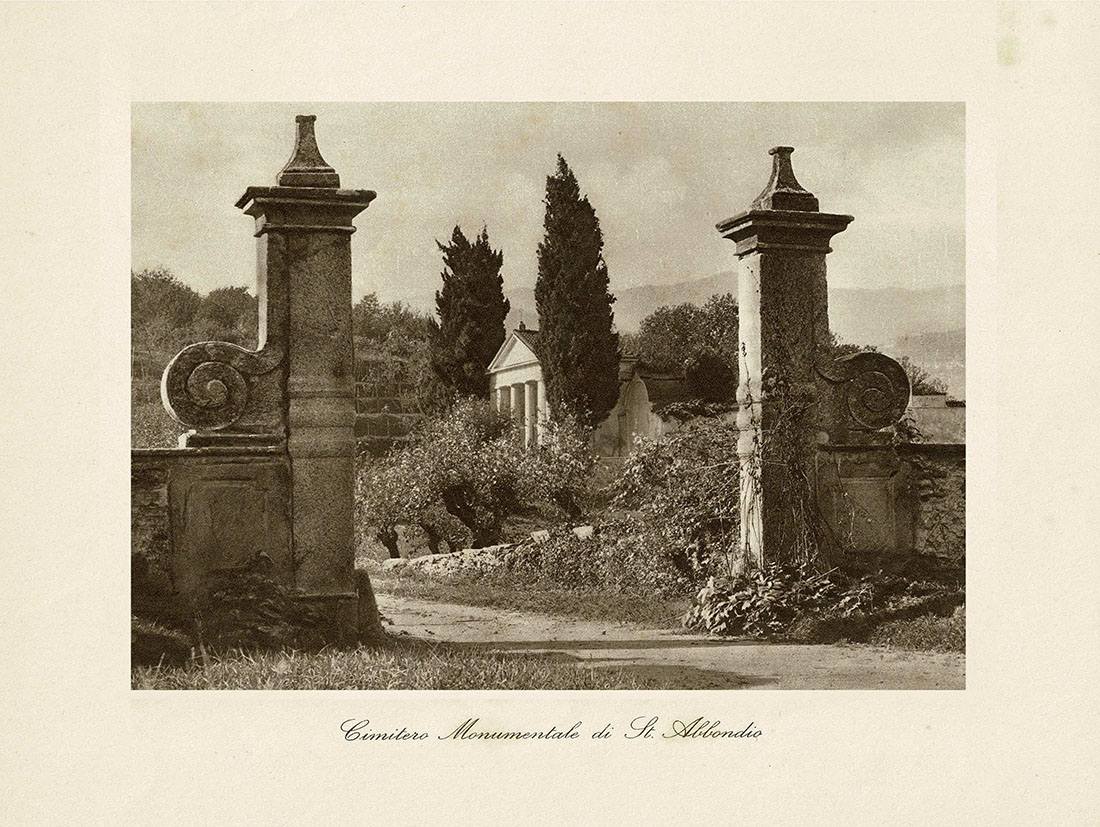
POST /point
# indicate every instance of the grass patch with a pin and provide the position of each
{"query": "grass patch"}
(928, 633)
(396, 665)
(586, 605)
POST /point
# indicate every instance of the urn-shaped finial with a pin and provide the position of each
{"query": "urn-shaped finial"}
(306, 167)
(783, 191)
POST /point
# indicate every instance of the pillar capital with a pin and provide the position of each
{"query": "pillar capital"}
(785, 217)
(307, 196)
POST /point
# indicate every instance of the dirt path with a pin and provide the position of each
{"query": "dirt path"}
(685, 661)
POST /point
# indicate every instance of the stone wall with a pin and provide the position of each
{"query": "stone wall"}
(385, 409)
(896, 500)
(938, 489)
(195, 511)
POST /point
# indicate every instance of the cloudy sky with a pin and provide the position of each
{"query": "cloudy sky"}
(660, 175)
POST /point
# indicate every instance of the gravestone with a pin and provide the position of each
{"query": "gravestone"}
(793, 397)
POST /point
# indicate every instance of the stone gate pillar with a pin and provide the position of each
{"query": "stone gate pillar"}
(297, 392)
(792, 396)
(782, 241)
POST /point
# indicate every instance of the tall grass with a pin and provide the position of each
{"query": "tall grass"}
(399, 665)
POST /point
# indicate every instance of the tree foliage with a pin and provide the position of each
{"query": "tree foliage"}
(579, 348)
(393, 354)
(471, 309)
(697, 342)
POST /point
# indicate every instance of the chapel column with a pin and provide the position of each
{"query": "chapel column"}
(518, 409)
(531, 414)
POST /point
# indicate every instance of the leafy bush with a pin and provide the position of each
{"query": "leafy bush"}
(468, 467)
(807, 604)
(683, 491)
(768, 601)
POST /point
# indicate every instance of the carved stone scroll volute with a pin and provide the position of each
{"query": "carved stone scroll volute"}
(867, 392)
(225, 393)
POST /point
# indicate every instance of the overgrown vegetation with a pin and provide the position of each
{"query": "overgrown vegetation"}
(683, 493)
(470, 465)
(242, 608)
(800, 602)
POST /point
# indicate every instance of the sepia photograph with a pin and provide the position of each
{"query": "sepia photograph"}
(501, 385)
(548, 395)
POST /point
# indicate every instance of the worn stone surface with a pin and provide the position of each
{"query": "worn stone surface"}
(939, 489)
(451, 563)
(896, 500)
(781, 243)
(199, 511)
(793, 396)
(304, 228)
(295, 394)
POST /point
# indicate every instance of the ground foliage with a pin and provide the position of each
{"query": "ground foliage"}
(797, 600)
(398, 664)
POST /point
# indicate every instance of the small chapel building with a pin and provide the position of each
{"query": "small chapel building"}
(517, 389)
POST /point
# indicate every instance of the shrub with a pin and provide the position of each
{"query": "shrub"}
(810, 605)
(683, 491)
(467, 466)
(768, 601)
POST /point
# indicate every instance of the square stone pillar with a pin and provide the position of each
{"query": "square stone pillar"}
(303, 231)
(503, 395)
(782, 241)
(531, 413)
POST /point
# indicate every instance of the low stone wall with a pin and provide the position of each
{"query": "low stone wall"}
(897, 500)
(937, 480)
(199, 510)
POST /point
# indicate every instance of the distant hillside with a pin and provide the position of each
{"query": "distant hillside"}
(877, 317)
(928, 325)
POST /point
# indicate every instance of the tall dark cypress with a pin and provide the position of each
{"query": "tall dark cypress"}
(578, 345)
(471, 309)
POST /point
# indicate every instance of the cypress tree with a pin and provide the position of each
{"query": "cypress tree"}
(578, 346)
(471, 308)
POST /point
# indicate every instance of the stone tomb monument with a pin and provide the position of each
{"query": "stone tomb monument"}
(267, 467)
